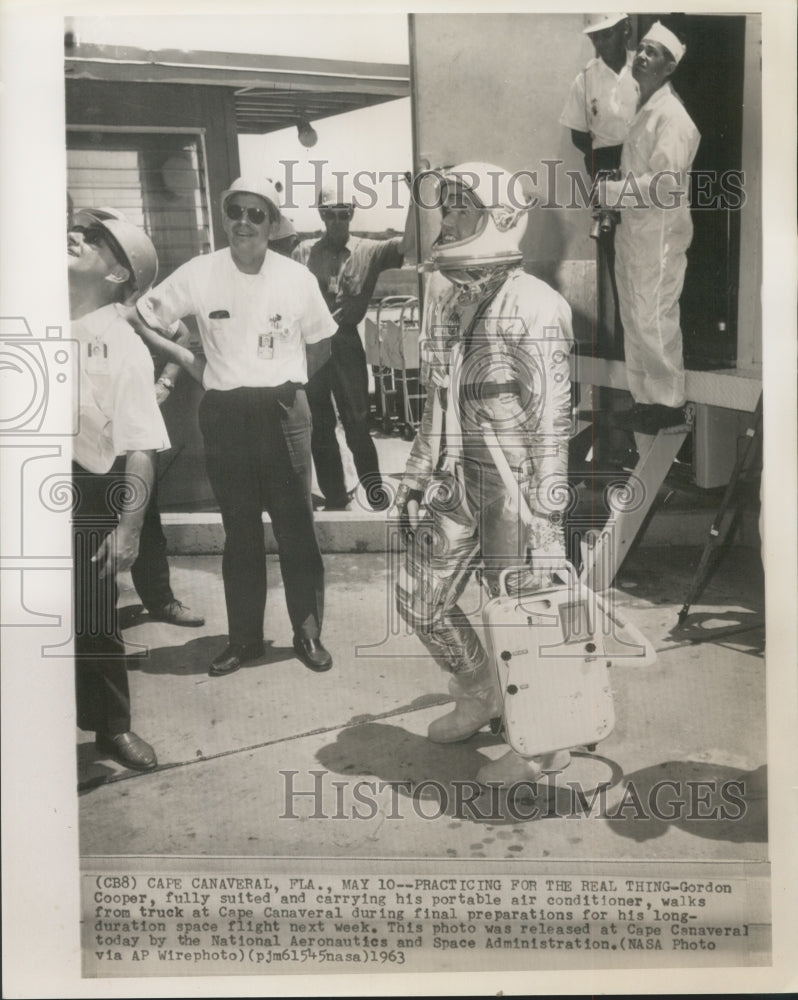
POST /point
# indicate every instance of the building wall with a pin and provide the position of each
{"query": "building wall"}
(749, 317)
(154, 105)
(492, 87)
(146, 106)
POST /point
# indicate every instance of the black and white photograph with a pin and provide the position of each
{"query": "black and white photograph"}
(399, 484)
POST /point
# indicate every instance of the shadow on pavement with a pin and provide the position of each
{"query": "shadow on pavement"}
(416, 705)
(195, 655)
(748, 628)
(439, 779)
(92, 767)
(668, 578)
(707, 800)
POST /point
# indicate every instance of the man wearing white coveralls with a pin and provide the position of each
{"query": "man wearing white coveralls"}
(651, 243)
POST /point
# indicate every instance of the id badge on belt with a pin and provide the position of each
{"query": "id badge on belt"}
(98, 358)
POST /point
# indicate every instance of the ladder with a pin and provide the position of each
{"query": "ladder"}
(630, 503)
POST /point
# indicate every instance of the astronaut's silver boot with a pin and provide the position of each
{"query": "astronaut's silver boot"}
(512, 768)
(477, 701)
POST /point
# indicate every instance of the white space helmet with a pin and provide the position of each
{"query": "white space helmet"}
(502, 224)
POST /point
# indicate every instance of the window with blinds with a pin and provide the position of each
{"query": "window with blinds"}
(156, 178)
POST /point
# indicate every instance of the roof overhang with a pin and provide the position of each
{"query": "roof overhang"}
(271, 92)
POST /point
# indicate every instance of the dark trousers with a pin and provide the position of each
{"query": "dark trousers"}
(150, 571)
(345, 379)
(610, 332)
(101, 683)
(604, 158)
(610, 335)
(257, 452)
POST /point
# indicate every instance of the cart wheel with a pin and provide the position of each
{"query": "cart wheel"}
(408, 432)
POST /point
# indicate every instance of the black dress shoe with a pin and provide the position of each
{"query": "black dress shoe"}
(231, 659)
(175, 613)
(130, 615)
(650, 418)
(312, 653)
(128, 749)
(343, 502)
(656, 417)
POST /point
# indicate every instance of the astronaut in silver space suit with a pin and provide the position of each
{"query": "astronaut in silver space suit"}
(495, 346)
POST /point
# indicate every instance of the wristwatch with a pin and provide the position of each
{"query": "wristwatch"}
(167, 382)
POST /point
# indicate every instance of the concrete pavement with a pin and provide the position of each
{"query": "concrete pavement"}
(237, 753)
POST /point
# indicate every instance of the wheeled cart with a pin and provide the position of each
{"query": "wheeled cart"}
(392, 351)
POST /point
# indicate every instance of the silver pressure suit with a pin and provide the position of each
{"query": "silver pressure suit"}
(498, 366)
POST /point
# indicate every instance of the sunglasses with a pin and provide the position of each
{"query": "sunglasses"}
(336, 213)
(235, 212)
(94, 237)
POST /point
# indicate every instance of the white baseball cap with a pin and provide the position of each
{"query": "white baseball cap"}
(659, 33)
(598, 22)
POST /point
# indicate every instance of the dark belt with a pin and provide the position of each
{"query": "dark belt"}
(284, 393)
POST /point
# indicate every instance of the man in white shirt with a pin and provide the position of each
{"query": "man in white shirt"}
(150, 571)
(603, 98)
(656, 230)
(265, 329)
(119, 431)
(601, 105)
